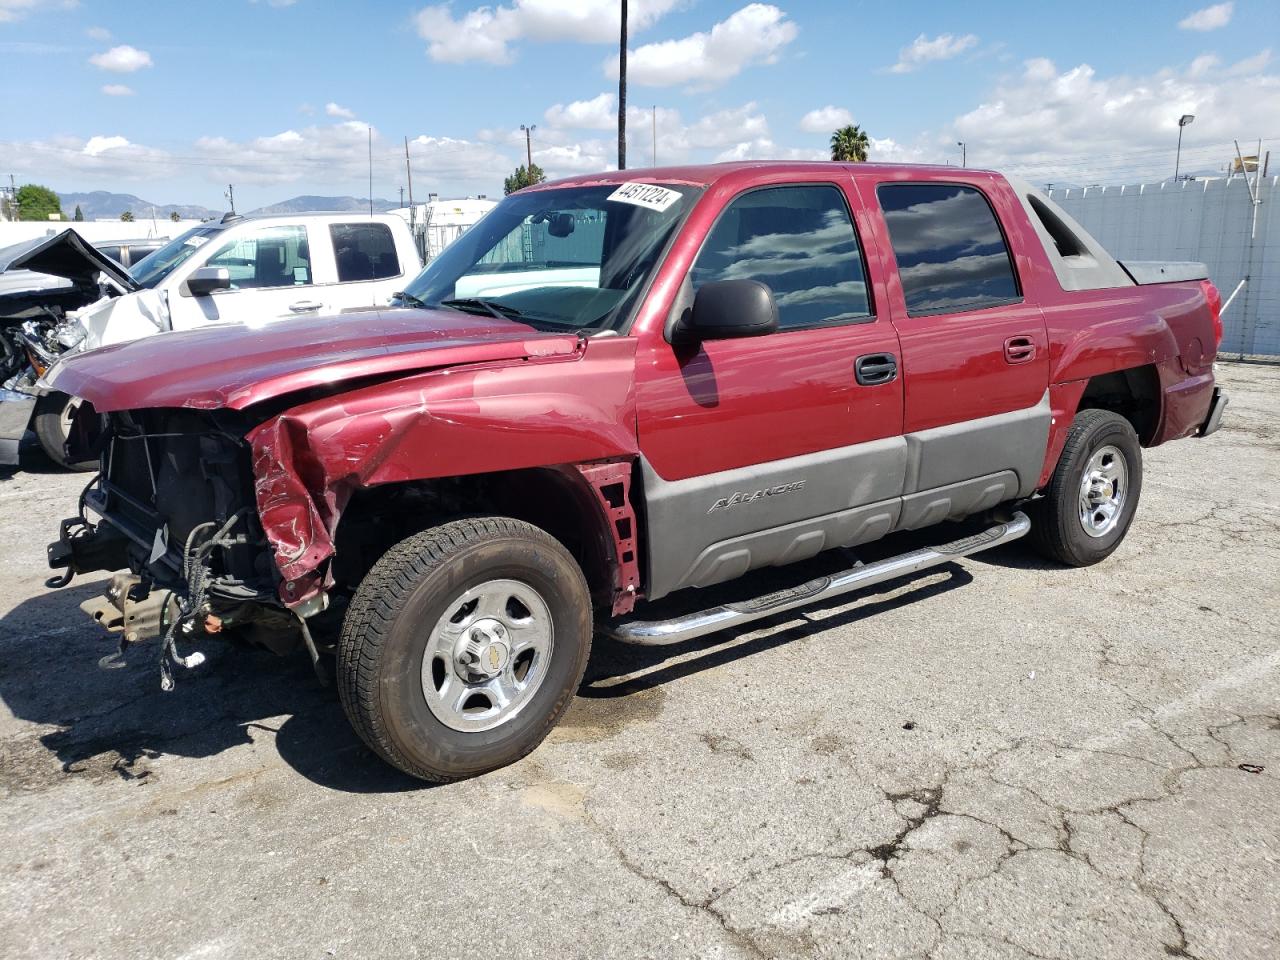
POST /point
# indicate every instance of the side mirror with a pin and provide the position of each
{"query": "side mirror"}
(204, 281)
(727, 309)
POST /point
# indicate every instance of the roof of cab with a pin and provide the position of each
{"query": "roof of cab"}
(704, 175)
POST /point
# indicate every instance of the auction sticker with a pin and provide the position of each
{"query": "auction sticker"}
(195, 241)
(647, 195)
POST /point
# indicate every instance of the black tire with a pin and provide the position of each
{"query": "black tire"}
(50, 429)
(386, 632)
(1058, 530)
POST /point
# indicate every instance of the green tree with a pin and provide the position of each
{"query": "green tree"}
(127, 216)
(523, 178)
(175, 216)
(849, 144)
(79, 216)
(37, 203)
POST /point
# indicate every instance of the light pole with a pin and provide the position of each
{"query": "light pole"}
(528, 146)
(1183, 121)
(960, 144)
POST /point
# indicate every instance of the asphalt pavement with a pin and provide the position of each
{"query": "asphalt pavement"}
(998, 758)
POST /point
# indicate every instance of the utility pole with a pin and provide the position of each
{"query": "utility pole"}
(622, 92)
(370, 171)
(408, 172)
(231, 197)
(528, 147)
(963, 157)
(402, 198)
(655, 134)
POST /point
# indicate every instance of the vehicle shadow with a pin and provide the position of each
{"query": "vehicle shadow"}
(31, 459)
(113, 723)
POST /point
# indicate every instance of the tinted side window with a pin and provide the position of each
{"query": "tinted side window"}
(364, 251)
(951, 254)
(267, 257)
(799, 241)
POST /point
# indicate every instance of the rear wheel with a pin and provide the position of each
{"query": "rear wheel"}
(52, 424)
(463, 647)
(1093, 495)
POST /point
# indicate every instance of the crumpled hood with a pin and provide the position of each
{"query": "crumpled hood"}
(67, 255)
(234, 366)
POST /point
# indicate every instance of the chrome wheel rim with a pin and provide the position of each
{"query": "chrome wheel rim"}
(487, 655)
(1103, 491)
(67, 415)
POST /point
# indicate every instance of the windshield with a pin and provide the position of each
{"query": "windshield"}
(572, 258)
(155, 266)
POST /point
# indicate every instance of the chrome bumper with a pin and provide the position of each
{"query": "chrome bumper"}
(15, 416)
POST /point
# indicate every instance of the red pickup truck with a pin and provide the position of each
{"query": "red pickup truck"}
(620, 387)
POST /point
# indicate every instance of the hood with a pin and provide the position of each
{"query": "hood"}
(233, 366)
(67, 255)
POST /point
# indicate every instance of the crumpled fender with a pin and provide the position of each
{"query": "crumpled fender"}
(123, 318)
(458, 421)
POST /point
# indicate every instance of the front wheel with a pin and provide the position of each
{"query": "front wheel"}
(1093, 494)
(52, 424)
(463, 647)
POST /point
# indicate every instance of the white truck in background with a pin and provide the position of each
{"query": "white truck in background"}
(246, 270)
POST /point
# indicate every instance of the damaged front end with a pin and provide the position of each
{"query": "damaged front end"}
(173, 505)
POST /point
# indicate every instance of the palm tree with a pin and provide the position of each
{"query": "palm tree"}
(849, 144)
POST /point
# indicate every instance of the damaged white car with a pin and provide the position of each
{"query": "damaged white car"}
(251, 270)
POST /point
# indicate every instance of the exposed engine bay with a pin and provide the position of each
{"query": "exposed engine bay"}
(173, 504)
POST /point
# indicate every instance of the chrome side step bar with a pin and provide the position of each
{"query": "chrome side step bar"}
(703, 622)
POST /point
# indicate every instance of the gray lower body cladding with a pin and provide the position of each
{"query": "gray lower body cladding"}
(16, 410)
(709, 529)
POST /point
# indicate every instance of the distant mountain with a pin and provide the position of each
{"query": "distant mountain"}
(100, 203)
(312, 204)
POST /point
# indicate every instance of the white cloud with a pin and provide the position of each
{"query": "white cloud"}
(11, 10)
(598, 113)
(342, 113)
(117, 90)
(121, 59)
(753, 35)
(99, 145)
(763, 148)
(825, 119)
(922, 50)
(277, 3)
(101, 34)
(485, 33)
(728, 126)
(584, 157)
(1255, 64)
(1208, 18)
(1077, 125)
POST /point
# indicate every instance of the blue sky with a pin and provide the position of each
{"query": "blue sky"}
(171, 100)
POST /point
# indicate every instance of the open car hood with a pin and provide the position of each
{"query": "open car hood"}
(236, 366)
(67, 255)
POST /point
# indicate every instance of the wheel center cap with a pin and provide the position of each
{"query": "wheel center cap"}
(483, 650)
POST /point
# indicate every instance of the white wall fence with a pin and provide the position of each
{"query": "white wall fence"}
(1206, 220)
(95, 231)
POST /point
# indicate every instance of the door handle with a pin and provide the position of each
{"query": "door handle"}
(1019, 349)
(872, 369)
(305, 306)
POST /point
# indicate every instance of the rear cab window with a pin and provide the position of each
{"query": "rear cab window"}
(364, 251)
(952, 256)
(799, 241)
